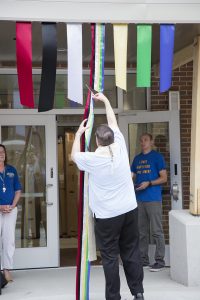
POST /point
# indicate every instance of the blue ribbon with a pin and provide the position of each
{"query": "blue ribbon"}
(166, 56)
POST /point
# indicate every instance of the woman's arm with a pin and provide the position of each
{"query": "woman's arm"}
(16, 199)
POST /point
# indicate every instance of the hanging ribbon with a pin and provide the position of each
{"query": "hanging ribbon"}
(120, 51)
(99, 57)
(24, 63)
(88, 241)
(75, 69)
(166, 56)
(49, 60)
(84, 218)
(144, 40)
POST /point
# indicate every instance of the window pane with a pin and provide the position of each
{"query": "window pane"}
(9, 93)
(134, 98)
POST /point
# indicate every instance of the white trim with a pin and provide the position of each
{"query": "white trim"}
(37, 71)
(48, 256)
(63, 111)
(108, 11)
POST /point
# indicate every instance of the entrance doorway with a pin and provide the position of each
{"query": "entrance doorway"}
(68, 184)
(164, 127)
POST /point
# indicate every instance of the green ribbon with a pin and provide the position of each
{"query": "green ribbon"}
(144, 40)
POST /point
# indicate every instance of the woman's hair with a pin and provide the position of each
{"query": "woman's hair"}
(2, 146)
(105, 135)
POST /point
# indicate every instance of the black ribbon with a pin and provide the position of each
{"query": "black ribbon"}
(49, 61)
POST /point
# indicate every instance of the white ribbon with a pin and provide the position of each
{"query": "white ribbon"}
(75, 65)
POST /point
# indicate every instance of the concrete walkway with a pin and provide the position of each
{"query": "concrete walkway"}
(59, 284)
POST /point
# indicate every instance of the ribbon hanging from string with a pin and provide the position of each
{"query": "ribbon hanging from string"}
(86, 237)
(144, 40)
(82, 262)
(166, 56)
(99, 57)
(49, 60)
(120, 53)
(75, 64)
(24, 63)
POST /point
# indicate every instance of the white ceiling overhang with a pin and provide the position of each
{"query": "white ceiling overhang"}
(108, 11)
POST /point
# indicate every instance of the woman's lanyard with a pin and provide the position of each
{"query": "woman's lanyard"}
(3, 181)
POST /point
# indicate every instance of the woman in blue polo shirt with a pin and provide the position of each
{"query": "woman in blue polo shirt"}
(10, 192)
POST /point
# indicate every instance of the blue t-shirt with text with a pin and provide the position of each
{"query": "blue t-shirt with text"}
(146, 167)
(10, 181)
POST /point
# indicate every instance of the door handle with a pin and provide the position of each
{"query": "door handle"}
(49, 185)
(49, 203)
(175, 191)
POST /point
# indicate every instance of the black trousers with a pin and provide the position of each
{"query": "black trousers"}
(119, 236)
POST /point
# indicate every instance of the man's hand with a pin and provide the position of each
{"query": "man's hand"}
(143, 185)
(82, 128)
(100, 97)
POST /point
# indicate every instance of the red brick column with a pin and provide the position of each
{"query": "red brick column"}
(182, 82)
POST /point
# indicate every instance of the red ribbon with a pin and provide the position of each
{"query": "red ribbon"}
(24, 63)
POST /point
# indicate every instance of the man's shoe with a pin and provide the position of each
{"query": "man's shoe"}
(139, 296)
(4, 282)
(156, 267)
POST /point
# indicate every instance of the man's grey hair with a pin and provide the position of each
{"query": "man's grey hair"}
(105, 135)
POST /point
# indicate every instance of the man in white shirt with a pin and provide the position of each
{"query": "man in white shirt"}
(113, 203)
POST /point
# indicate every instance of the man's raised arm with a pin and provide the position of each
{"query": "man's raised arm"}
(76, 147)
(111, 119)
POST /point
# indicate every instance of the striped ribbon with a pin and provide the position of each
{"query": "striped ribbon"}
(99, 57)
(86, 237)
(24, 63)
(83, 265)
(85, 259)
(166, 56)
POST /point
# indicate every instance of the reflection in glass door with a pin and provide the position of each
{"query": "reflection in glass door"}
(31, 146)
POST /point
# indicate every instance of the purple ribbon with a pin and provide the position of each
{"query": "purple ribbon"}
(166, 56)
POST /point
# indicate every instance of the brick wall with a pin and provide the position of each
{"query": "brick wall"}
(182, 82)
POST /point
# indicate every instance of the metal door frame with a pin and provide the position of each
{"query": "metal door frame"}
(172, 117)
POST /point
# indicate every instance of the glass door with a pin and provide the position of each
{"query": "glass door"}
(164, 127)
(30, 141)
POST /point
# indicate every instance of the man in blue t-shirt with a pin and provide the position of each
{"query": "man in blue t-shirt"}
(149, 173)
